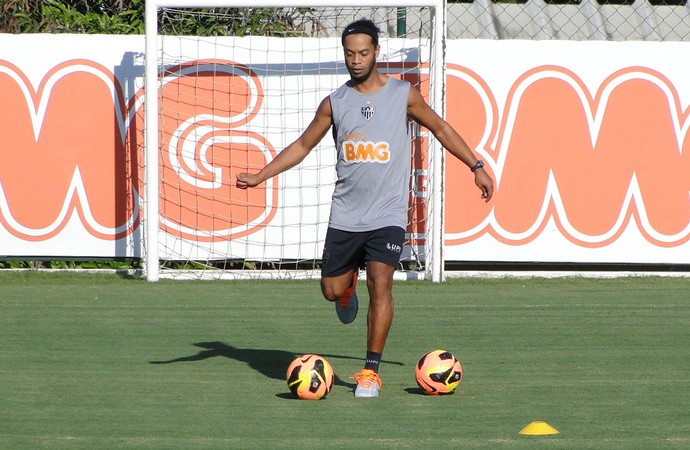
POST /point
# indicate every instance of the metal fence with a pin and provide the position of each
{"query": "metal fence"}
(609, 20)
(617, 20)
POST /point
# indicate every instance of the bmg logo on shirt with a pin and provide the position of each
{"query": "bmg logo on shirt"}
(366, 151)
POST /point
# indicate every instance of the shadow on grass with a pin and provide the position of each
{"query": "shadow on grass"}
(270, 363)
(420, 391)
(415, 391)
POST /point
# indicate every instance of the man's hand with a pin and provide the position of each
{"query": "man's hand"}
(247, 180)
(485, 183)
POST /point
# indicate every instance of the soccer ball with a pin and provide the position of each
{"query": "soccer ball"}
(438, 372)
(310, 377)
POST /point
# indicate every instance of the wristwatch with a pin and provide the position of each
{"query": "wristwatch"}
(479, 165)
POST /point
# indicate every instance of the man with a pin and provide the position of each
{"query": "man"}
(369, 115)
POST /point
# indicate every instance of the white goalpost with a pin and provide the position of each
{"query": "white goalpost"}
(231, 96)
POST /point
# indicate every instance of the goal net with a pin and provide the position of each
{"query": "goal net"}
(230, 84)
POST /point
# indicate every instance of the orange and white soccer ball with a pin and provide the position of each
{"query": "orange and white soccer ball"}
(438, 372)
(310, 377)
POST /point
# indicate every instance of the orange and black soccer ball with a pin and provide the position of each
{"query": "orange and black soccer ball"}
(438, 372)
(310, 377)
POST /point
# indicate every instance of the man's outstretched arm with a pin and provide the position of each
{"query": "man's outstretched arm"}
(294, 153)
(421, 112)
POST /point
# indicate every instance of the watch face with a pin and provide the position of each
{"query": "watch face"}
(479, 165)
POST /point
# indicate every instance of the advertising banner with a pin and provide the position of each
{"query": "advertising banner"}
(587, 142)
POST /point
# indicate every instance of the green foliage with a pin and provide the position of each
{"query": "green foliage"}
(127, 17)
(235, 21)
(53, 16)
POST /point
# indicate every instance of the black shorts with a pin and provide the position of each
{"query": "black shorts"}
(346, 250)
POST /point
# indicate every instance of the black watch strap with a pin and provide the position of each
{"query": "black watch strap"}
(479, 165)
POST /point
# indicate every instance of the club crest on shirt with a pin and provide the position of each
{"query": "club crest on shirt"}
(368, 111)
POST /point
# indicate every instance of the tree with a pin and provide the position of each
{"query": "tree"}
(127, 17)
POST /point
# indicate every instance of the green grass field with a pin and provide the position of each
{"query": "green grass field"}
(102, 362)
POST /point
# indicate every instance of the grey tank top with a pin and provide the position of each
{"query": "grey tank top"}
(372, 139)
